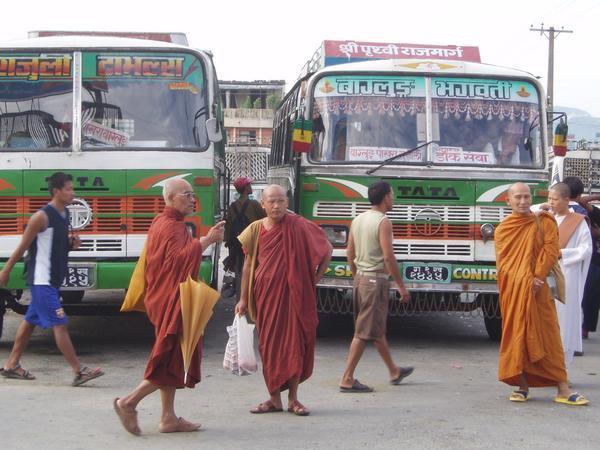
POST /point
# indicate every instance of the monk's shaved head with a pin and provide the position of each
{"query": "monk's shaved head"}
(519, 198)
(561, 189)
(274, 189)
(517, 187)
(275, 202)
(173, 187)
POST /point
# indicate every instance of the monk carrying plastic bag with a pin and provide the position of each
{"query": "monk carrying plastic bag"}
(240, 357)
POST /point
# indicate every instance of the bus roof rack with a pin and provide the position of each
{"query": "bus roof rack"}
(173, 38)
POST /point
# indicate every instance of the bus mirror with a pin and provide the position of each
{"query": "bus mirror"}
(213, 130)
(421, 127)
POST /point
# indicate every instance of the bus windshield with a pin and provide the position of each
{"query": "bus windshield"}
(368, 119)
(36, 101)
(143, 100)
(129, 100)
(485, 122)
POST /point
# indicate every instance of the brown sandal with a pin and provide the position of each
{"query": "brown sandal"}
(298, 408)
(86, 374)
(265, 407)
(17, 373)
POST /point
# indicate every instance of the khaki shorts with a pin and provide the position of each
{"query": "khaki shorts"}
(371, 299)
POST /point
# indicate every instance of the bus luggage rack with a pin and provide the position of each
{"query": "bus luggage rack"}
(339, 301)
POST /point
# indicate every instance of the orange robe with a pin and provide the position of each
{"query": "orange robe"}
(530, 333)
(283, 298)
(171, 256)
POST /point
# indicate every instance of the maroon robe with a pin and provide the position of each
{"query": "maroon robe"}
(171, 256)
(286, 306)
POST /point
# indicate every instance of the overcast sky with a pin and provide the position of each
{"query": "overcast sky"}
(259, 39)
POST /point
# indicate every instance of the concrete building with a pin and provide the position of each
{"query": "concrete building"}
(249, 110)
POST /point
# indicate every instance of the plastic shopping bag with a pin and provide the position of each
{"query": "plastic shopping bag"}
(245, 346)
(240, 358)
(230, 360)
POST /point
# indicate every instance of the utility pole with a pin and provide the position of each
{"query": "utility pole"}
(551, 33)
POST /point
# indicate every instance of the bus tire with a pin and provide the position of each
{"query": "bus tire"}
(72, 297)
(2, 312)
(493, 326)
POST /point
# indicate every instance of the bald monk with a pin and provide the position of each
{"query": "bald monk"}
(531, 352)
(172, 255)
(286, 255)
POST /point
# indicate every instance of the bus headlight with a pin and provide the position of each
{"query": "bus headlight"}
(487, 232)
(337, 234)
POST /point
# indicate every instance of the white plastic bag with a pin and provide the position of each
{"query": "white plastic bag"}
(230, 360)
(240, 358)
(245, 346)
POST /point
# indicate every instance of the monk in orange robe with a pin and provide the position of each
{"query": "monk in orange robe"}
(286, 255)
(531, 352)
(171, 256)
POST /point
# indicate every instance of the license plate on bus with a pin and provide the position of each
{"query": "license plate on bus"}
(79, 277)
(414, 272)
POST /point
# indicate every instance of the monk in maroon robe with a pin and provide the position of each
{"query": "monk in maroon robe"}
(171, 256)
(286, 255)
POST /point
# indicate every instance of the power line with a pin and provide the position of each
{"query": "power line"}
(551, 33)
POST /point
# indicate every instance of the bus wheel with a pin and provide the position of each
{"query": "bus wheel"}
(72, 296)
(490, 306)
(2, 311)
(493, 326)
(19, 302)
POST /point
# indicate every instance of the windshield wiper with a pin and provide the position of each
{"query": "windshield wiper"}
(399, 155)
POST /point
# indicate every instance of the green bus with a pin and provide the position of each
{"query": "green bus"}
(450, 135)
(121, 114)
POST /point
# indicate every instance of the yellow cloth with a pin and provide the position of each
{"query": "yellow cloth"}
(197, 303)
(134, 299)
(249, 240)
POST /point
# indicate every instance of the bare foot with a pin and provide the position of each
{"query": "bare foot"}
(128, 416)
(178, 426)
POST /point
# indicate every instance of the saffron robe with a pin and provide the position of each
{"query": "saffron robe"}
(281, 296)
(530, 334)
(171, 256)
(575, 262)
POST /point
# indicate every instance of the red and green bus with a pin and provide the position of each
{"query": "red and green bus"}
(449, 134)
(122, 115)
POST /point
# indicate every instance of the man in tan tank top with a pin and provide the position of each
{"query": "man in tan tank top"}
(371, 258)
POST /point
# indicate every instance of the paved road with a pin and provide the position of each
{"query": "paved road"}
(451, 401)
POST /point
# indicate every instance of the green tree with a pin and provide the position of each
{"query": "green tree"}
(273, 101)
(247, 103)
(257, 103)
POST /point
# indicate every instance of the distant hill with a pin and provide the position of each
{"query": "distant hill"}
(581, 123)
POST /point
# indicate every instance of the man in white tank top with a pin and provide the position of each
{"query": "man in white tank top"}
(372, 261)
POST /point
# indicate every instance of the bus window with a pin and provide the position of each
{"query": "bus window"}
(149, 100)
(36, 101)
(366, 119)
(485, 122)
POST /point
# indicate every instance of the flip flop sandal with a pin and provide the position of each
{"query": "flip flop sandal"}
(404, 372)
(298, 409)
(265, 407)
(16, 375)
(128, 418)
(86, 374)
(519, 396)
(358, 387)
(574, 399)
